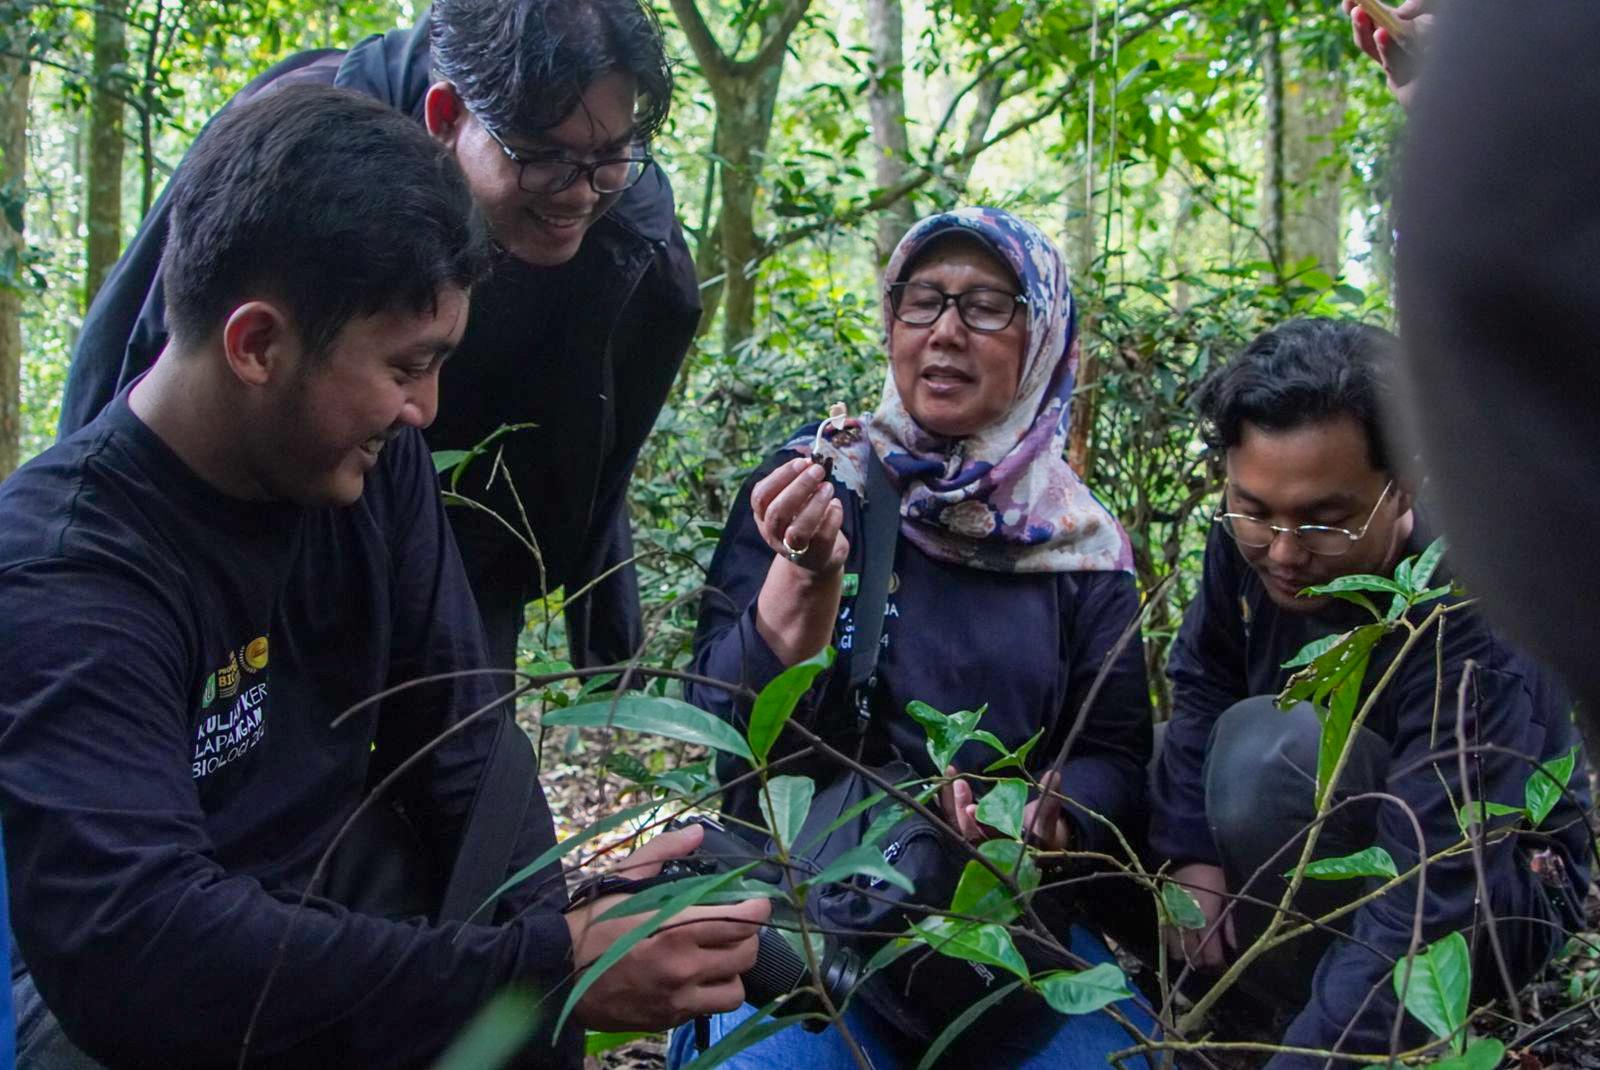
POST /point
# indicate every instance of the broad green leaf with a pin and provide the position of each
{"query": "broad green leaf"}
(1017, 759)
(789, 798)
(1336, 725)
(886, 819)
(1084, 991)
(1481, 812)
(1358, 581)
(1545, 786)
(1431, 594)
(1356, 598)
(600, 1043)
(443, 459)
(946, 732)
(1441, 979)
(1312, 651)
(1002, 807)
(1349, 652)
(1182, 908)
(776, 703)
(1015, 859)
(962, 1021)
(716, 891)
(567, 846)
(981, 895)
(1373, 862)
(864, 861)
(1485, 1053)
(988, 944)
(1427, 562)
(689, 892)
(656, 715)
(753, 1030)
(495, 1033)
(1402, 573)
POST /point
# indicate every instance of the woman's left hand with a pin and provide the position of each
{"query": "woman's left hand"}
(800, 519)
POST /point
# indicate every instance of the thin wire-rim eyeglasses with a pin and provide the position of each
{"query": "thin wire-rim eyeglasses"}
(1305, 534)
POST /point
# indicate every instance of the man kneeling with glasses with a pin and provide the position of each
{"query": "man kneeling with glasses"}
(1312, 495)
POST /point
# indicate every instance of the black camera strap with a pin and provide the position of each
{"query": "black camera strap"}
(880, 532)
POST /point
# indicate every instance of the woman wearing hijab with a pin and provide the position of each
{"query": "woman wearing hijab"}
(1011, 584)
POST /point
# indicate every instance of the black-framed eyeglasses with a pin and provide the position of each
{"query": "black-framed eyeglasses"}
(982, 309)
(555, 173)
(1318, 539)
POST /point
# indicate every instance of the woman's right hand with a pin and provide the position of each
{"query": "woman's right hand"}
(797, 514)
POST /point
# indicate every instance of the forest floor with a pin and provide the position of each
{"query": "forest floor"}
(1560, 1025)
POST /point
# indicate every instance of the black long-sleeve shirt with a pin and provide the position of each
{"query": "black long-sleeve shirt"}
(171, 661)
(1028, 645)
(1232, 645)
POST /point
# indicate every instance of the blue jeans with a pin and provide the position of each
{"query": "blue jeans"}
(41, 1045)
(1079, 1041)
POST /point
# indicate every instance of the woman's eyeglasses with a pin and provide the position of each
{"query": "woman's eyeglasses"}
(982, 309)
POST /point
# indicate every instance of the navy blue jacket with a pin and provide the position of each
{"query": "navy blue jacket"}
(586, 351)
(1028, 645)
(171, 662)
(1231, 645)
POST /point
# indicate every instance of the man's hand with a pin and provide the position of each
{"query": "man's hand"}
(1042, 822)
(1207, 948)
(1400, 60)
(688, 968)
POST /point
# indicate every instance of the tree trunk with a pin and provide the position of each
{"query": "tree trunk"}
(745, 92)
(106, 144)
(1313, 109)
(887, 99)
(990, 94)
(14, 86)
(1272, 207)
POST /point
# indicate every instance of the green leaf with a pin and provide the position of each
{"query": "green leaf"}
(1002, 807)
(1015, 859)
(567, 846)
(495, 1033)
(1312, 651)
(1017, 759)
(600, 1043)
(790, 802)
(1356, 598)
(1373, 862)
(962, 1021)
(981, 895)
(1182, 908)
(1427, 562)
(1545, 786)
(988, 944)
(1441, 979)
(866, 861)
(946, 732)
(443, 459)
(716, 891)
(1358, 581)
(1084, 991)
(1481, 812)
(776, 703)
(1485, 1053)
(1402, 573)
(657, 715)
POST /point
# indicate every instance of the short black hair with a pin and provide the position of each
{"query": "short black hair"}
(1305, 371)
(322, 198)
(521, 66)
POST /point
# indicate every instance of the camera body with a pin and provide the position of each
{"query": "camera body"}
(781, 968)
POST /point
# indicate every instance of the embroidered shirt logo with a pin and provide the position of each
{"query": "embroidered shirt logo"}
(226, 732)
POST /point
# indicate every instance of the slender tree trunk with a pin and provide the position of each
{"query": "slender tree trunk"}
(887, 99)
(106, 144)
(1272, 207)
(14, 87)
(990, 94)
(1314, 107)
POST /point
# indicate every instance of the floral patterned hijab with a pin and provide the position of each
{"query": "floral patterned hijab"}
(1002, 499)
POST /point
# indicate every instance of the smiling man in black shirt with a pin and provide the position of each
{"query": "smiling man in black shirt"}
(245, 544)
(1312, 495)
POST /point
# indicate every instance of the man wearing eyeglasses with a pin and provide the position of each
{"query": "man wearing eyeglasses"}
(1312, 494)
(576, 338)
